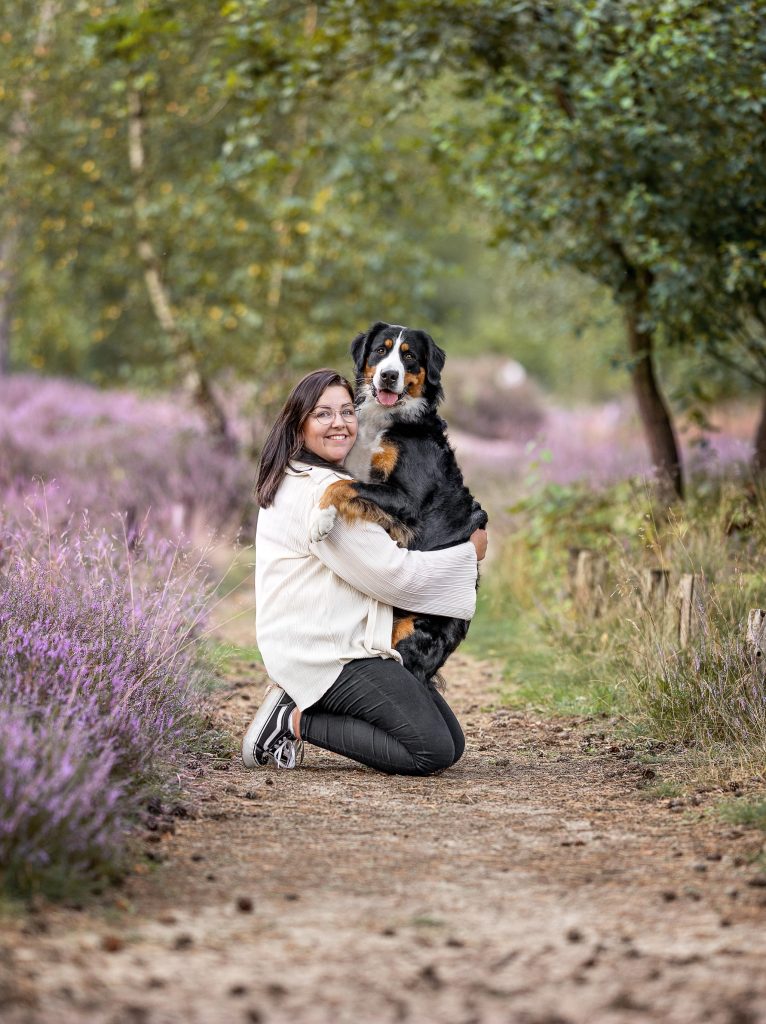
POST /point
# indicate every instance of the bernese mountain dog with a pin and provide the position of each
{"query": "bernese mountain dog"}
(405, 474)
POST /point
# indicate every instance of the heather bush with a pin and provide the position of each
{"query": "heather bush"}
(62, 811)
(601, 445)
(101, 668)
(102, 616)
(113, 451)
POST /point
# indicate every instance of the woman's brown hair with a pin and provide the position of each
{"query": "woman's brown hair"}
(285, 440)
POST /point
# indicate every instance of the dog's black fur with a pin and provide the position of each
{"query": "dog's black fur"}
(412, 473)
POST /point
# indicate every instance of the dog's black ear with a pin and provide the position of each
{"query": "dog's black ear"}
(436, 360)
(360, 341)
(357, 349)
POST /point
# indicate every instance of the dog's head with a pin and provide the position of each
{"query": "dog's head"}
(398, 368)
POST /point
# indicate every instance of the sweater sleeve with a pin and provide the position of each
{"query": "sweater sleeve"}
(433, 582)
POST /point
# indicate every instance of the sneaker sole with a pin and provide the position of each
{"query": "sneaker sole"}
(262, 715)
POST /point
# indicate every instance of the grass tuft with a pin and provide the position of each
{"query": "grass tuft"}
(711, 696)
(745, 812)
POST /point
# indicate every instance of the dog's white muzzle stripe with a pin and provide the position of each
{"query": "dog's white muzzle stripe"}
(393, 361)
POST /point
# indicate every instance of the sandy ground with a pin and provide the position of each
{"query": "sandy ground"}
(534, 883)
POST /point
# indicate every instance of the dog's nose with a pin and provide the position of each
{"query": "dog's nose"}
(389, 379)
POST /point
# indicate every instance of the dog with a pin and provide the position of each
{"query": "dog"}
(406, 477)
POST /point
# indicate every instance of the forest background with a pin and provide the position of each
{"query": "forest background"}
(200, 202)
(236, 188)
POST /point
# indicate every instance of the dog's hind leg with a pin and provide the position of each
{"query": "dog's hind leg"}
(427, 646)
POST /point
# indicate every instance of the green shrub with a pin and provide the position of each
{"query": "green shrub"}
(629, 659)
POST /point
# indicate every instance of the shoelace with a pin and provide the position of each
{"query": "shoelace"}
(288, 754)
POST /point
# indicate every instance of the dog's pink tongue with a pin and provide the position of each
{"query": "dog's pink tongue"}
(387, 398)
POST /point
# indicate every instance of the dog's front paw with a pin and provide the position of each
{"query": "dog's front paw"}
(322, 521)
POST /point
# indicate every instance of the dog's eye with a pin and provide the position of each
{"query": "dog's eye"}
(409, 357)
(379, 350)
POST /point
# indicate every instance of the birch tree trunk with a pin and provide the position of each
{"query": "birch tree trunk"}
(9, 242)
(9, 246)
(183, 346)
(282, 230)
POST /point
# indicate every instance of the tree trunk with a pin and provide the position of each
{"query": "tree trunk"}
(759, 443)
(186, 352)
(9, 243)
(652, 409)
(8, 278)
(270, 333)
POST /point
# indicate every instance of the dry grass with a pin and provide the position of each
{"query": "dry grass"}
(708, 697)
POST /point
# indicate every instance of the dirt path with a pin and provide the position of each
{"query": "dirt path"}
(534, 883)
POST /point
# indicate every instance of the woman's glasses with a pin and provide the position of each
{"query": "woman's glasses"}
(326, 416)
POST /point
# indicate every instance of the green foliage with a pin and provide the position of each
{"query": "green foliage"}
(562, 516)
(310, 168)
(708, 695)
(621, 139)
(627, 135)
(282, 222)
(562, 327)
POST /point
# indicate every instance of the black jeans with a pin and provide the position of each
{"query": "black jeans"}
(377, 713)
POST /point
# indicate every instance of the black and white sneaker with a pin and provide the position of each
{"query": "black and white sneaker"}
(269, 738)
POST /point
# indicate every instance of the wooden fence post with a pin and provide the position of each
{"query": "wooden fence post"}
(573, 554)
(756, 631)
(685, 598)
(589, 589)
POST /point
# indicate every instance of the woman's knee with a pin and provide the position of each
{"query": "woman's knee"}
(448, 716)
(439, 753)
(458, 745)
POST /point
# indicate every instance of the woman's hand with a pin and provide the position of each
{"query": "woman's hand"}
(479, 540)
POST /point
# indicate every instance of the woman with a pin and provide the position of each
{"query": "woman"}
(324, 610)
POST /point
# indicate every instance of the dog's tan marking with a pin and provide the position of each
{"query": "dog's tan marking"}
(342, 495)
(353, 508)
(413, 383)
(368, 372)
(403, 628)
(385, 458)
(404, 347)
(388, 343)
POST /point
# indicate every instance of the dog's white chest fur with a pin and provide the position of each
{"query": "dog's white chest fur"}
(373, 420)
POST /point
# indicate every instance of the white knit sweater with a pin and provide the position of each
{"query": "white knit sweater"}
(320, 605)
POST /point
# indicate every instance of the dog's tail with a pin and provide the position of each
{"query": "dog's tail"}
(439, 682)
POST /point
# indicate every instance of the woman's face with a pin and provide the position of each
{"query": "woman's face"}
(330, 428)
